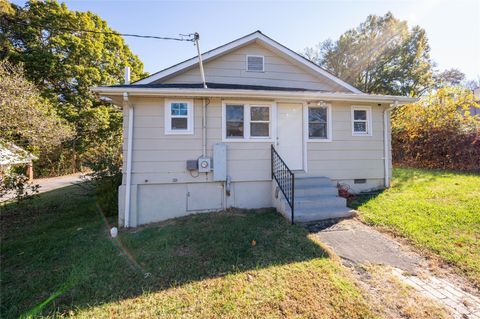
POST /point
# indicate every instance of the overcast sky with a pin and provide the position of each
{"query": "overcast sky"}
(453, 27)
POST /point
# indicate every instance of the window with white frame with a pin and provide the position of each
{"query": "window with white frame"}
(259, 121)
(178, 117)
(361, 121)
(319, 123)
(247, 121)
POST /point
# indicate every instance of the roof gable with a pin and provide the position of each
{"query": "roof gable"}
(231, 68)
(11, 154)
(253, 39)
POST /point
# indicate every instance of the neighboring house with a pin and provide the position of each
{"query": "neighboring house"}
(191, 149)
(11, 155)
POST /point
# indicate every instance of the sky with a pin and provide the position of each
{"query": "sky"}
(453, 27)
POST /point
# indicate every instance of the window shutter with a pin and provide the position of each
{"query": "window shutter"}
(255, 63)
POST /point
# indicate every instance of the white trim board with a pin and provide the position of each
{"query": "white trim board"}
(252, 94)
(255, 36)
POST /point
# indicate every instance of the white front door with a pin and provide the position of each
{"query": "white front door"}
(290, 134)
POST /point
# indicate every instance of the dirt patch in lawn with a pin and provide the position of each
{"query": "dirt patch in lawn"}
(394, 299)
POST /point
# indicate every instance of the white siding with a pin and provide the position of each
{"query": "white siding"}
(161, 183)
(347, 156)
(158, 158)
(231, 68)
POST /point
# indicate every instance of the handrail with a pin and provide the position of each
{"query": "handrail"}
(285, 179)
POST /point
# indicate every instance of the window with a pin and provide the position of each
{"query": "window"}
(235, 121)
(259, 121)
(319, 123)
(178, 117)
(247, 122)
(361, 121)
(255, 63)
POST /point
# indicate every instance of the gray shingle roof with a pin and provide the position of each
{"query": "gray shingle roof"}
(212, 86)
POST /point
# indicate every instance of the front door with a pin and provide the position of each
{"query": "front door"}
(290, 134)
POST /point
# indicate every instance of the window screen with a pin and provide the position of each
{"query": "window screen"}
(255, 63)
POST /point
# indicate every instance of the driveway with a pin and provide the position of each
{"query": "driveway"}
(358, 244)
(51, 183)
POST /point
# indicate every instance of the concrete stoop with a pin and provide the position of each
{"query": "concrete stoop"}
(316, 198)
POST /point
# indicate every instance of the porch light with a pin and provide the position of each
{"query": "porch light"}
(317, 103)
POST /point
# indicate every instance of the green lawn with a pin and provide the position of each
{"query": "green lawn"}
(436, 210)
(58, 260)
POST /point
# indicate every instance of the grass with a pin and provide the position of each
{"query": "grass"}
(57, 260)
(437, 211)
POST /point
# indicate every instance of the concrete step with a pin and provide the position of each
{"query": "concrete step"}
(316, 198)
(303, 215)
(312, 190)
(318, 206)
(312, 215)
(315, 181)
(323, 212)
(319, 201)
(311, 206)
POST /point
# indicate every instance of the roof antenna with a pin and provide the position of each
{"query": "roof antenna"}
(196, 37)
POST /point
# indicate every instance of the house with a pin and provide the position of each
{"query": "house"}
(269, 128)
(12, 155)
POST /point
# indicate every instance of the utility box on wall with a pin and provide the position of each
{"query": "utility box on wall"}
(220, 162)
(204, 164)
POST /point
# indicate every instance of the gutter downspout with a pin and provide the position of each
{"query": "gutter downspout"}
(204, 128)
(128, 188)
(386, 141)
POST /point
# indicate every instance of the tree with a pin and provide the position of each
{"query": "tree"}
(438, 131)
(472, 84)
(451, 77)
(64, 63)
(380, 56)
(26, 118)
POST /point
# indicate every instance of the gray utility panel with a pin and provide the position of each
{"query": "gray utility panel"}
(220, 162)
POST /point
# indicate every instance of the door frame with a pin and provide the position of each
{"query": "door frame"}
(305, 134)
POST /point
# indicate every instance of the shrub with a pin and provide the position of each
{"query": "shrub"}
(438, 132)
(106, 176)
(17, 187)
(106, 190)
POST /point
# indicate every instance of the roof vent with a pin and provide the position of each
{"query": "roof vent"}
(255, 63)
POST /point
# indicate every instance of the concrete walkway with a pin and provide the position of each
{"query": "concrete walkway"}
(359, 244)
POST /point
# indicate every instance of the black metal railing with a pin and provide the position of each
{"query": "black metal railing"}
(285, 179)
